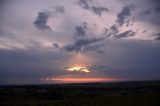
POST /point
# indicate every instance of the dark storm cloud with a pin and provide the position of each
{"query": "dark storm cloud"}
(28, 66)
(145, 12)
(41, 20)
(125, 34)
(81, 30)
(85, 4)
(157, 9)
(82, 44)
(2, 4)
(125, 13)
(147, 16)
(154, 2)
(134, 60)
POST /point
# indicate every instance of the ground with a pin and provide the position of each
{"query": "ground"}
(143, 93)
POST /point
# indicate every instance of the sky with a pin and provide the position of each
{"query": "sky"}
(72, 41)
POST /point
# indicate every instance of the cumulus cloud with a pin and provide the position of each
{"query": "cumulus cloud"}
(41, 20)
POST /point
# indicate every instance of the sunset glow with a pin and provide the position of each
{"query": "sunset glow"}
(78, 68)
(79, 41)
(79, 80)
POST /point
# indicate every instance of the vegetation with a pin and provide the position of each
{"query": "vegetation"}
(89, 94)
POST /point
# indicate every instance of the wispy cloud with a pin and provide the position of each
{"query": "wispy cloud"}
(82, 44)
(98, 10)
(124, 14)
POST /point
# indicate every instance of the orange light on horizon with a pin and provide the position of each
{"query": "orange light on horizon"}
(79, 80)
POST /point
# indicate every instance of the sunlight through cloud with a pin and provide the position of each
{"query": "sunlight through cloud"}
(78, 69)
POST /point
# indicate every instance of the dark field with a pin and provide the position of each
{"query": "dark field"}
(144, 93)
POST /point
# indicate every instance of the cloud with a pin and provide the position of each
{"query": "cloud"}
(98, 10)
(28, 66)
(129, 59)
(84, 4)
(81, 30)
(41, 20)
(94, 47)
(82, 44)
(55, 45)
(77, 69)
(157, 36)
(157, 9)
(114, 29)
(125, 34)
(27, 54)
(59, 9)
(125, 13)
(145, 12)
